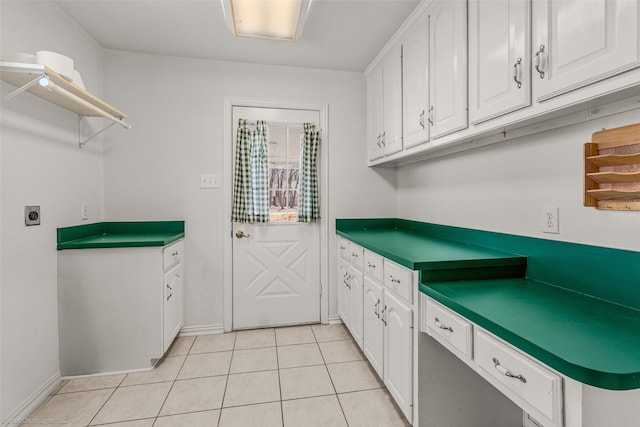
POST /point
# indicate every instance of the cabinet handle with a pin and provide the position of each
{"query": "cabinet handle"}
(441, 326)
(517, 71)
(421, 122)
(342, 248)
(382, 140)
(375, 311)
(370, 265)
(393, 279)
(378, 141)
(382, 316)
(430, 118)
(170, 288)
(507, 373)
(539, 61)
(170, 295)
(353, 254)
(175, 253)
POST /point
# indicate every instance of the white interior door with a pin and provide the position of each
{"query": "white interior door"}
(276, 266)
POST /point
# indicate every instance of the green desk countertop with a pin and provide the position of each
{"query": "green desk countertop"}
(120, 234)
(420, 252)
(590, 340)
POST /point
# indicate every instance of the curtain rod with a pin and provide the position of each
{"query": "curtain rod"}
(254, 123)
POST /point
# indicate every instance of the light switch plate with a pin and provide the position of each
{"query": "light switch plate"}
(209, 180)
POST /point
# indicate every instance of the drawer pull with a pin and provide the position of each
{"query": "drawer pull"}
(507, 373)
(383, 316)
(353, 254)
(394, 280)
(375, 311)
(370, 265)
(175, 253)
(441, 326)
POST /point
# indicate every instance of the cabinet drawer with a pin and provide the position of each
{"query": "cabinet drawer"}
(343, 248)
(356, 255)
(398, 279)
(373, 265)
(172, 255)
(442, 322)
(526, 382)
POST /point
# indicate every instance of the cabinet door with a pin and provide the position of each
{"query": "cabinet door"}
(344, 300)
(579, 42)
(172, 312)
(374, 114)
(355, 321)
(373, 328)
(448, 67)
(499, 57)
(392, 98)
(415, 85)
(398, 352)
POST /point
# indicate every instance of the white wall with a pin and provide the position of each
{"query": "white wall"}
(503, 188)
(40, 164)
(175, 106)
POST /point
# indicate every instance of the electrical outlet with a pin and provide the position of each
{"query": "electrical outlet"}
(31, 215)
(550, 219)
(84, 210)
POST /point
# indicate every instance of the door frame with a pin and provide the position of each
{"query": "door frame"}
(227, 186)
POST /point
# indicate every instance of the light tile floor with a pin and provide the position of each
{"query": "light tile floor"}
(301, 376)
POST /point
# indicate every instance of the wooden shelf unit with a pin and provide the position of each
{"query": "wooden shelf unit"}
(612, 169)
(21, 74)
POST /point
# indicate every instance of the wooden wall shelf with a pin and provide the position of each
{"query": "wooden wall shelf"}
(612, 169)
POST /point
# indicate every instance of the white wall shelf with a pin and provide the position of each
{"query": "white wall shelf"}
(48, 84)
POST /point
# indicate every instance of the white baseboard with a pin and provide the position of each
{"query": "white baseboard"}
(334, 319)
(188, 331)
(32, 402)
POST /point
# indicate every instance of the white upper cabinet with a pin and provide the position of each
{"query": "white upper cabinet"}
(374, 113)
(415, 85)
(580, 42)
(384, 106)
(499, 57)
(392, 96)
(448, 67)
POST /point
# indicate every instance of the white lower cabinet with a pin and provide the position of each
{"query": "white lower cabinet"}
(119, 308)
(355, 300)
(388, 341)
(373, 326)
(350, 298)
(398, 351)
(532, 386)
(344, 291)
(374, 302)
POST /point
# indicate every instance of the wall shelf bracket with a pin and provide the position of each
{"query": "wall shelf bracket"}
(81, 141)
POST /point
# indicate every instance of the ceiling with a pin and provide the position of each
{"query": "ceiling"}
(341, 35)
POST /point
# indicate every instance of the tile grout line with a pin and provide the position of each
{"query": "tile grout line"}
(226, 384)
(173, 383)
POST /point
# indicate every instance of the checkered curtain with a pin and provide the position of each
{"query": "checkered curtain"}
(242, 188)
(308, 210)
(260, 172)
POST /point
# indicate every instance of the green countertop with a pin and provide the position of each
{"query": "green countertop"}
(574, 307)
(420, 252)
(120, 234)
(588, 339)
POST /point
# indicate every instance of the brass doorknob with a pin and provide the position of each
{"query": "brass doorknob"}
(240, 234)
